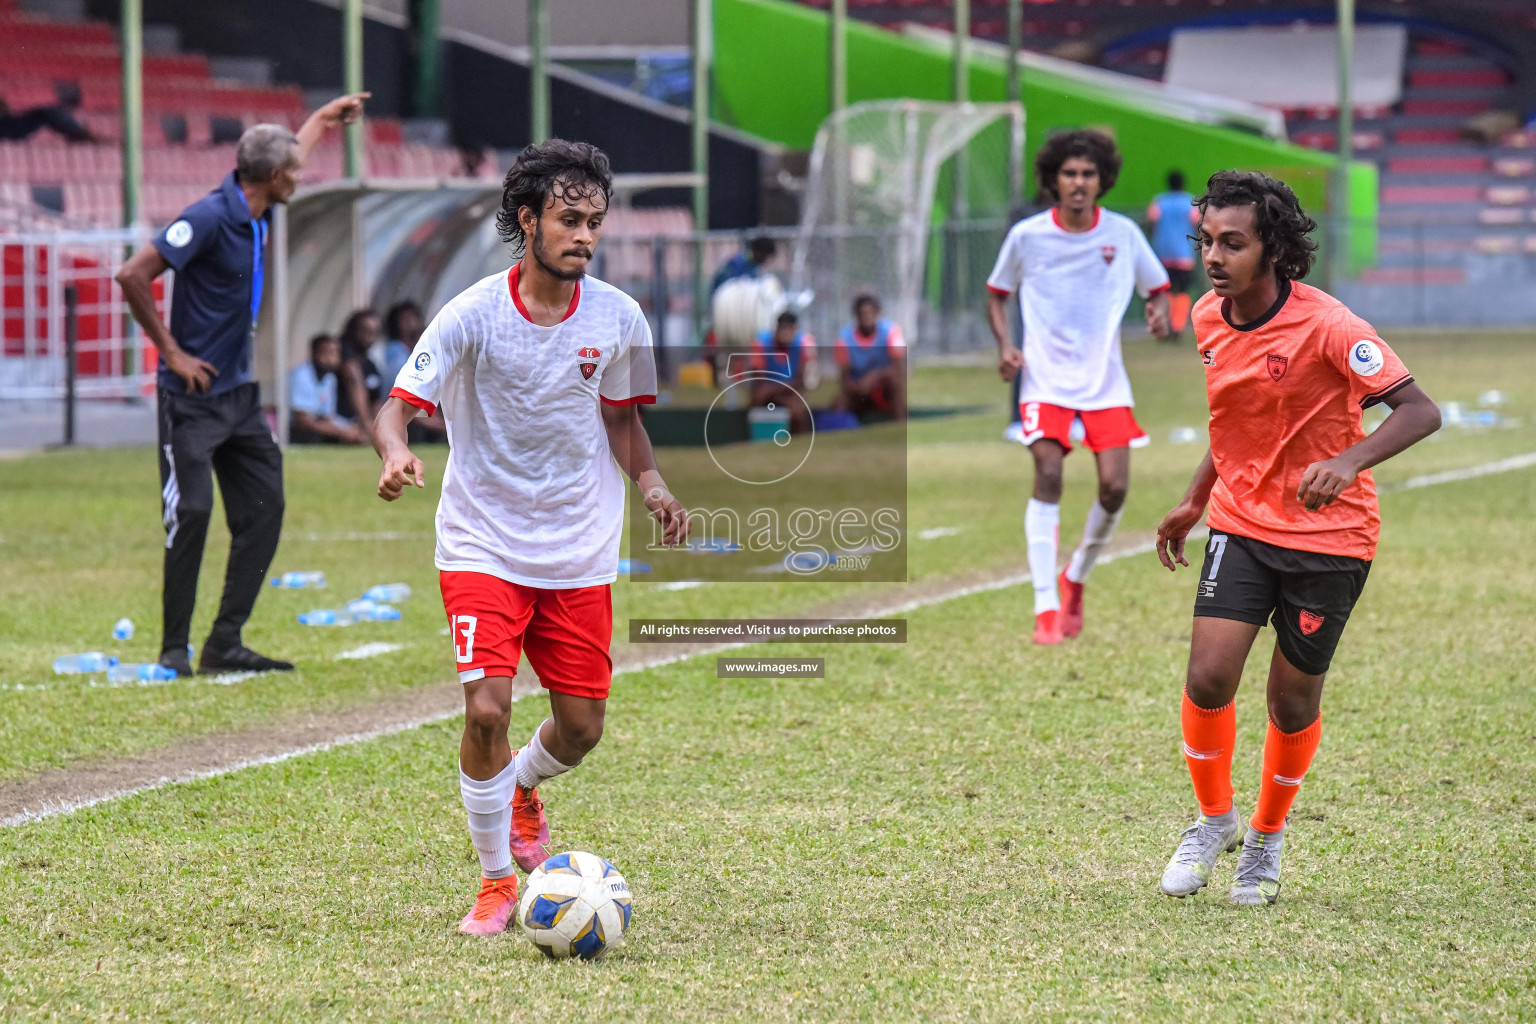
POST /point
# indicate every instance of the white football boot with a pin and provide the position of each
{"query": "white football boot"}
(1189, 870)
(1257, 879)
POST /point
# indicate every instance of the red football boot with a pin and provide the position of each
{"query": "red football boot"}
(530, 829)
(1071, 605)
(493, 908)
(1048, 627)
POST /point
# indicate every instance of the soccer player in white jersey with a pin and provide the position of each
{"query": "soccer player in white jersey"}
(1074, 268)
(538, 372)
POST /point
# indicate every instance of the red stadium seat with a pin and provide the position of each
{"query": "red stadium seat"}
(1460, 108)
(1431, 194)
(1426, 136)
(1413, 275)
(1486, 77)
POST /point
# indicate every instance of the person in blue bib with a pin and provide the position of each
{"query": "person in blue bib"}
(1171, 218)
(872, 359)
(211, 419)
(780, 358)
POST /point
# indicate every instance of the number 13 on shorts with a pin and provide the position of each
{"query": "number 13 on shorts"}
(464, 637)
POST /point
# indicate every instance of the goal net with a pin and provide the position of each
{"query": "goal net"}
(909, 200)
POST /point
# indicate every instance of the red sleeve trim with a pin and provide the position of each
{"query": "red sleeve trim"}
(633, 400)
(1166, 286)
(1000, 292)
(417, 401)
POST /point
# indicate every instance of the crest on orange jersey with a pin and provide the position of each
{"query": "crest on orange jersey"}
(1277, 365)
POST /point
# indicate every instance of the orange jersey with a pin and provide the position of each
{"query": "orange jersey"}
(1287, 391)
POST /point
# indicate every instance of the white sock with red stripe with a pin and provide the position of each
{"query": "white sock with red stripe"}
(535, 765)
(1042, 523)
(1097, 532)
(488, 803)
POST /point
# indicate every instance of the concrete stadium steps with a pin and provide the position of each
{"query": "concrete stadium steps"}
(1408, 214)
(1445, 203)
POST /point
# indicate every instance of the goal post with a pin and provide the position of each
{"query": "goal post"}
(903, 198)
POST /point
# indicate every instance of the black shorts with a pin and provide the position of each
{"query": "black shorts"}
(1306, 596)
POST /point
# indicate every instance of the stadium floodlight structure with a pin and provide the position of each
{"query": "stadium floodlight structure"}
(890, 178)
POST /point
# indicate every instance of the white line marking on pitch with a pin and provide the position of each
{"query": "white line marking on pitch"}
(372, 650)
(1017, 579)
(937, 532)
(1451, 476)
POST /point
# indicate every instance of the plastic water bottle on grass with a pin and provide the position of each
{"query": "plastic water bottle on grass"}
(140, 673)
(75, 664)
(388, 593)
(122, 629)
(366, 610)
(299, 580)
(327, 617)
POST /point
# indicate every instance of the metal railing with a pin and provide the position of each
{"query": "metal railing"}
(37, 269)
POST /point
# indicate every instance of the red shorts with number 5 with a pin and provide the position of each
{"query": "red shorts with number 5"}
(1102, 428)
(565, 632)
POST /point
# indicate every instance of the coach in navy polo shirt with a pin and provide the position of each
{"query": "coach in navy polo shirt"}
(211, 423)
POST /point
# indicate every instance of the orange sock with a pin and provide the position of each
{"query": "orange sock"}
(1178, 310)
(1208, 738)
(1287, 755)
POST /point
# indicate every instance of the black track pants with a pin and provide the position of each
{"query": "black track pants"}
(224, 434)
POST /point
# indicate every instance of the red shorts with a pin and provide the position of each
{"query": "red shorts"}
(565, 632)
(1102, 428)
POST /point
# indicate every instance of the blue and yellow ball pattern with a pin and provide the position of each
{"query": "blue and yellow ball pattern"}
(575, 905)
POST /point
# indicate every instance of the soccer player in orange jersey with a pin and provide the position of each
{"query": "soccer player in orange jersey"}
(1293, 518)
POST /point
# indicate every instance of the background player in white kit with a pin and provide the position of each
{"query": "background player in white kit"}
(538, 372)
(1074, 267)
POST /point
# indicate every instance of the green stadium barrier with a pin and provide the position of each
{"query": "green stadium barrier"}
(770, 79)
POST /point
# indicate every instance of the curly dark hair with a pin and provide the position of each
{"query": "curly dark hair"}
(865, 299)
(1283, 226)
(396, 314)
(557, 169)
(1063, 146)
(351, 336)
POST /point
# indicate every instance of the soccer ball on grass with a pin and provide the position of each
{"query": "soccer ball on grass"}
(575, 904)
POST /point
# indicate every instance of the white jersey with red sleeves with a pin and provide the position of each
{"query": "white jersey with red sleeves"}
(1074, 288)
(531, 493)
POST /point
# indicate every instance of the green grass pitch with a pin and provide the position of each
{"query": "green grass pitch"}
(965, 828)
